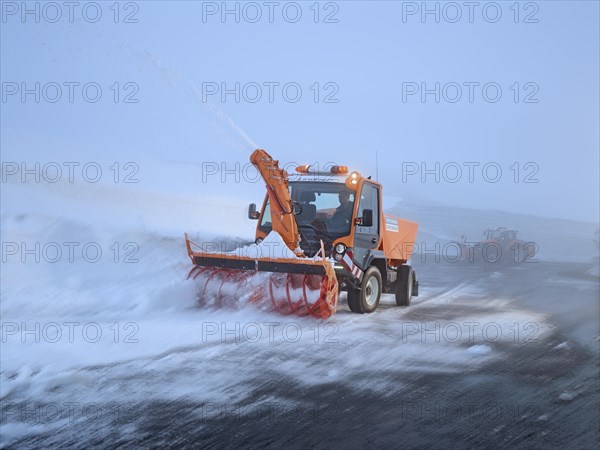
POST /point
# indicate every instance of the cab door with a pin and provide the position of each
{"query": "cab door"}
(366, 238)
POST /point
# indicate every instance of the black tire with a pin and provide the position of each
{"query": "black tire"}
(404, 289)
(367, 298)
(354, 301)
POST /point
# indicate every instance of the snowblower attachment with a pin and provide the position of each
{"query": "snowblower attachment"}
(273, 275)
(300, 286)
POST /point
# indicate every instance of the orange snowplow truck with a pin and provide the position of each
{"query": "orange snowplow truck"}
(336, 236)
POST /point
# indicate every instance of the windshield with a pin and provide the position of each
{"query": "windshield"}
(502, 234)
(494, 235)
(325, 213)
(327, 206)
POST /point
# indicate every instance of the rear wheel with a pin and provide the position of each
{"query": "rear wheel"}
(404, 289)
(366, 299)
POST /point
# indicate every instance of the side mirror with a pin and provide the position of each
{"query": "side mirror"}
(252, 212)
(367, 218)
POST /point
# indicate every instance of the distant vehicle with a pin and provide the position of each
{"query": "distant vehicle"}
(499, 245)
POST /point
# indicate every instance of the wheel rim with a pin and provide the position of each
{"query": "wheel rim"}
(371, 291)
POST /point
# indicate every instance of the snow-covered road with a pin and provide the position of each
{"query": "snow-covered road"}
(93, 342)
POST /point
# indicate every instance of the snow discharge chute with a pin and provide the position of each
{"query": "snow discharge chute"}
(275, 274)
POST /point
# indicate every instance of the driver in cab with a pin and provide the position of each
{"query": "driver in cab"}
(343, 213)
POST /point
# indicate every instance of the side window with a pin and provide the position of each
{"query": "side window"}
(265, 222)
(369, 199)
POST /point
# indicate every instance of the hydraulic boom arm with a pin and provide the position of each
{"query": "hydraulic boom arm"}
(282, 208)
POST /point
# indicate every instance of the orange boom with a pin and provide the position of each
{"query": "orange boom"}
(322, 232)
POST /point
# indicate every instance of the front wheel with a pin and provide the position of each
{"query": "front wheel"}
(367, 298)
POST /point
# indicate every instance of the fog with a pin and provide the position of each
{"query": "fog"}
(485, 112)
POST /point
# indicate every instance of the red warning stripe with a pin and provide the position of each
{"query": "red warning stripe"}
(352, 268)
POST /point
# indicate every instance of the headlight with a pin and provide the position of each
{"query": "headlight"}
(338, 256)
(258, 240)
(340, 248)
